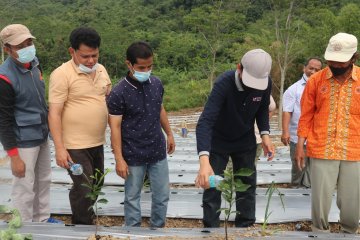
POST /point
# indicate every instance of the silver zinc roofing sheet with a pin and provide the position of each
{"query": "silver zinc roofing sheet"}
(186, 203)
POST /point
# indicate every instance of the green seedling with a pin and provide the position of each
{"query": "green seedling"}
(146, 183)
(95, 187)
(269, 193)
(15, 222)
(228, 187)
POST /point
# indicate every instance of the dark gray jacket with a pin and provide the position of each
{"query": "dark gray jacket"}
(30, 109)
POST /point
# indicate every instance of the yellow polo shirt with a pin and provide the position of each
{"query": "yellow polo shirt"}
(84, 115)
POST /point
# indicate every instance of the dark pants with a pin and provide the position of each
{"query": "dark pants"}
(90, 159)
(245, 203)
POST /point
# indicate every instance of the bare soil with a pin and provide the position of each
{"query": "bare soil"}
(110, 221)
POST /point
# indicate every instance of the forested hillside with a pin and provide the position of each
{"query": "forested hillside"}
(194, 40)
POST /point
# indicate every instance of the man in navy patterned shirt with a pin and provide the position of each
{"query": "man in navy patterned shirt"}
(137, 117)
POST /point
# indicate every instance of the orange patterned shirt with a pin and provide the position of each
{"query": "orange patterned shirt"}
(330, 116)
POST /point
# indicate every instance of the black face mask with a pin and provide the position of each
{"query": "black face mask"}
(246, 88)
(339, 71)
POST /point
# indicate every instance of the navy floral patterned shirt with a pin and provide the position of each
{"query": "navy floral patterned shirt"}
(143, 141)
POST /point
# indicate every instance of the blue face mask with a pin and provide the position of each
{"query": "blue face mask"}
(27, 54)
(142, 76)
(85, 69)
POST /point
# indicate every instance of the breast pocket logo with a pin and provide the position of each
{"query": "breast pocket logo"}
(357, 90)
(323, 89)
(256, 99)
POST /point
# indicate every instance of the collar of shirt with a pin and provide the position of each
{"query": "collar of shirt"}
(135, 83)
(27, 66)
(237, 82)
(304, 78)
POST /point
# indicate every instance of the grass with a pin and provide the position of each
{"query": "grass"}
(182, 95)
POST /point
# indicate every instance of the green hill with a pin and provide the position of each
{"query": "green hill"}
(194, 40)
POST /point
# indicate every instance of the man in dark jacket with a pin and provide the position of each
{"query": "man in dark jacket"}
(226, 129)
(23, 124)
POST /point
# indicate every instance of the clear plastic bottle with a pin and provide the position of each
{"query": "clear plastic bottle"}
(214, 180)
(75, 168)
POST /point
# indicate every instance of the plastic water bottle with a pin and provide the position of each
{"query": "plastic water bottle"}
(75, 168)
(214, 180)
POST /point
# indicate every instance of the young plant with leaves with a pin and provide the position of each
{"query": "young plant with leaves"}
(228, 187)
(269, 193)
(14, 223)
(95, 187)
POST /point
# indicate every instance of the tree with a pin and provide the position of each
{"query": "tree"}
(6, 19)
(287, 46)
(193, 40)
(348, 20)
(218, 24)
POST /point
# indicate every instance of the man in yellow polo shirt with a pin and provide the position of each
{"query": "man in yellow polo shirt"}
(78, 115)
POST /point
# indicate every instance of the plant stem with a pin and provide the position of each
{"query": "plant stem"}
(97, 219)
(226, 227)
(87, 179)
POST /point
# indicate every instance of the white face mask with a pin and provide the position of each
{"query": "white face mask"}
(26, 54)
(85, 69)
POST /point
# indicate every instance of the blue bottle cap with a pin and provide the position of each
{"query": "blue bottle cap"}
(76, 168)
(212, 181)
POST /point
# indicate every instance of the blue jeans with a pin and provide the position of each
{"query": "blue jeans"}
(159, 181)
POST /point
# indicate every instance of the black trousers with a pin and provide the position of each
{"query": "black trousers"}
(246, 200)
(90, 159)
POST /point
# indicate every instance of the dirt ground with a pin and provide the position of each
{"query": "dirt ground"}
(197, 223)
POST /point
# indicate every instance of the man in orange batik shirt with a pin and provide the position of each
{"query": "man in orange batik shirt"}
(330, 122)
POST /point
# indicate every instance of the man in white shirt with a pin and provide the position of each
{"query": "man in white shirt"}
(259, 150)
(290, 119)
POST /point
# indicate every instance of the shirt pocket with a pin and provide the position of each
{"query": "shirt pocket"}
(355, 102)
(80, 88)
(101, 85)
(29, 127)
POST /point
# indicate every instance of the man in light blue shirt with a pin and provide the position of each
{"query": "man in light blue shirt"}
(290, 119)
